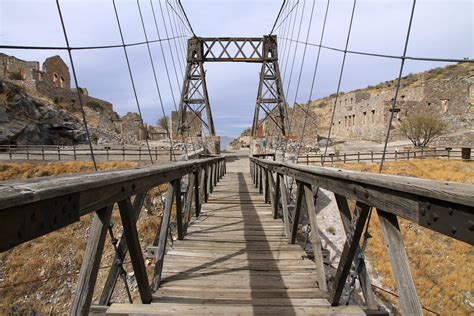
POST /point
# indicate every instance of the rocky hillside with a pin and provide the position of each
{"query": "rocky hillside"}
(28, 118)
(362, 114)
(25, 119)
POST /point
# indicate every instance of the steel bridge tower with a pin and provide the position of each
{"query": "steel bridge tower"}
(195, 113)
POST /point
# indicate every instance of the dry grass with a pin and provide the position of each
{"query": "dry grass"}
(55, 259)
(442, 267)
(11, 171)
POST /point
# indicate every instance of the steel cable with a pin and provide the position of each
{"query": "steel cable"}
(133, 82)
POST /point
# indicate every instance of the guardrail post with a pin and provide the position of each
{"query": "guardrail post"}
(372, 156)
(179, 208)
(42, 152)
(396, 154)
(284, 203)
(276, 196)
(206, 184)
(358, 157)
(409, 300)
(123, 153)
(163, 235)
(344, 157)
(307, 159)
(91, 262)
(267, 195)
(139, 153)
(197, 192)
(107, 153)
(260, 178)
(27, 153)
(10, 155)
(74, 151)
(449, 151)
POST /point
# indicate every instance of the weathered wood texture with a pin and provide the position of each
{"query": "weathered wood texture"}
(445, 207)
(236, 260)
(26, 206)
(91, 262)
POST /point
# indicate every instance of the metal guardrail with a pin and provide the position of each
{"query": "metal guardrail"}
(444, 207)
(35, 207)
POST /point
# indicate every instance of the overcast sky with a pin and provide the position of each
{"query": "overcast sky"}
(442, 29)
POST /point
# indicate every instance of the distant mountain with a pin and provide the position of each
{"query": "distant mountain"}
(225, 141)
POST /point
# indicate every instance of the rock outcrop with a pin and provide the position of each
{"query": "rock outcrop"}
(25, 119)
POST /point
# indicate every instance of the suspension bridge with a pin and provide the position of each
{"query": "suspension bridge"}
(239, 217)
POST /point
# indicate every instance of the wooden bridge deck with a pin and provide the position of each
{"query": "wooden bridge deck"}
(236, 260)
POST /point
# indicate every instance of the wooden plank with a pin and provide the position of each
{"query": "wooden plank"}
(136, 256)
(409, 301)
(266, 188)
(188, 309)
(122, 248)
(163, 235)
(314, 236)
(364, 278)
(91, 262)
(349, 251)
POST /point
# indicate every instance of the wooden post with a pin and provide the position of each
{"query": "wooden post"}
(449, 151)
(211, 178)
(409, 300)
(364, 278)
(348, 253)
(136, 256)
(163, 235)
(156, 153)
(205, 186)
(74, 152)
(10, 155)
(189, 202)
(107, 152)
(122, 248)
(314, 236)
(296, 214)
(267, 195)
(307, 159)
(197, 192)
(344, 157)
(139, 153)
(396, 153)
(91, 262)
(42, 153)
(27, 153)
(179, 208)
(260, 180)
(276, 196)
(215, 171)
(59, 153)
(284, 204)
(372, 156)
(358, 157)
(123, 153)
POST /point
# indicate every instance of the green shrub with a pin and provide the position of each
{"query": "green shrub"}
(94, 105)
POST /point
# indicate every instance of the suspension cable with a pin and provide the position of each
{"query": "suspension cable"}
(132, 81)
(291, 10)
(339, 82)
(179, 52)
(278, 16)
(392, 111)
(285, 43)
(79, 96)
(291, 45)
(186, 16)
(155, 78)
(169, 45)
(178, 56)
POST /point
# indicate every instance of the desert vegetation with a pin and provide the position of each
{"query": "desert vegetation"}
(40, 276)
(441, 266)
(422, 129)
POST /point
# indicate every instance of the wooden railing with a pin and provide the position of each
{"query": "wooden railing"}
(78, 153)
(444, 207)
(35, 207)
(376, 156)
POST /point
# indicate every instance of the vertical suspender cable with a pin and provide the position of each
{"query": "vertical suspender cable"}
(402, 64)
(174, 41)
(339, 82)
(132, 81)
(278, 16)
(84, 119)
(155, 77)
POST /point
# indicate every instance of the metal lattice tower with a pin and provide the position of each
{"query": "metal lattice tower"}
(195, 110)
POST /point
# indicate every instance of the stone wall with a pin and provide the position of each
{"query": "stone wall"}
(12, 69)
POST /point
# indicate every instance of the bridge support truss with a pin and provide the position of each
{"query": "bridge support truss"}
(195, 113)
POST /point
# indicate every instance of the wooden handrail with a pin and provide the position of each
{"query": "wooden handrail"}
(444, 207)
